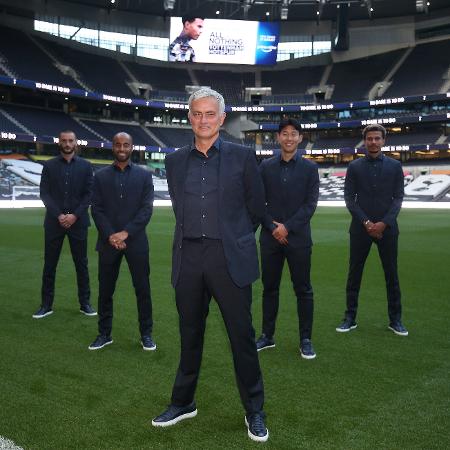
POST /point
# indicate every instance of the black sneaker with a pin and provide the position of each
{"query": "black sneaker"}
(264, 342)
(306, 349)
(88, 310)
(398, 328)
(147, 343)
(173, 414)
(42, 312)
(346, 325)
(100, 341)
(256, 427)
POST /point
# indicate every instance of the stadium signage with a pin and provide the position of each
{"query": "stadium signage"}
(316, 107)
(385, 120)
(388, 101)
(113, 98)
(52, 87)
(176, 105)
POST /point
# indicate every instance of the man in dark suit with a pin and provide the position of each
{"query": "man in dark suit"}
(373, 194)
(66, 189)
(292, 190)
(216, 192)
(122, 205)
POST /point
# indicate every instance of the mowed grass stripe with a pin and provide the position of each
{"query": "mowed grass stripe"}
(367, 389)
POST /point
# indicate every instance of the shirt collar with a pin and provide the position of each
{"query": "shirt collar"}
(378, 158)
(127, 167)
(294, 158)
(217, 144)
(62, 159)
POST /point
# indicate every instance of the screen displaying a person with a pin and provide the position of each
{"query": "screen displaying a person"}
(180, 49)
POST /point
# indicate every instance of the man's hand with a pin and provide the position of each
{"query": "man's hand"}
(375, 230)
(117, 240)
(280, 233)
(67, 220)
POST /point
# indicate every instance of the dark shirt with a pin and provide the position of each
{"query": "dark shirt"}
(201, 194)
(67, 178)
(375, 166)
(287, 169)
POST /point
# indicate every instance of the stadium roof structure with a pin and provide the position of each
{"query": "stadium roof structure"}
(292, 10)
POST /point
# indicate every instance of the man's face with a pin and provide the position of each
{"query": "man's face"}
(289, 138)
(193, 29)
(373, 142)
(205, 118)
(122, 148)
(67, 143)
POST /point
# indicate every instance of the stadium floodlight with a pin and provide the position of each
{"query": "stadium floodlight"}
(422, 6)
(169, 5)
(284, 9)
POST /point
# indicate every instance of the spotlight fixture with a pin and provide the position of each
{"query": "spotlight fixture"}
(169, 5)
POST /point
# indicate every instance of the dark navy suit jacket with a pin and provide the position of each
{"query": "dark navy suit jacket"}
(131, 213)
(241, 202)
(52, 192)
(299, 206)
(378, 202)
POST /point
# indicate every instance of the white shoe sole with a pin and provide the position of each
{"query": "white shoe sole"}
(405, 333)
(88, 314)
(264, 348)
(38, 316)
(340, 330)
(148, 349)
(104, 345)
(253, 437)
(307, 356)
(189, 415)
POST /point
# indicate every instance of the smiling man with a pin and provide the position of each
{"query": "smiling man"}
(292, 190)
(216, 191)
(180, 49)
(373, 194)
(122, 205)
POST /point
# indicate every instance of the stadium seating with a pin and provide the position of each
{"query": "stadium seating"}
(109, 129)
(47, 123)
(358, 77)
(28, 61)
(173, 137)
(423, 70)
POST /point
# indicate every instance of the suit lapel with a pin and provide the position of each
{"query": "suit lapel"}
(224, 166)
(180, 171)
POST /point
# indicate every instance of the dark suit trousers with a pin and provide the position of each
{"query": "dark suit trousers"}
(273, 256)
(203, 275)
(108, 272)
(54, 239)
(360, 245)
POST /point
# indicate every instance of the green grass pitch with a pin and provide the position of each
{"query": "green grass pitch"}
(368, 389)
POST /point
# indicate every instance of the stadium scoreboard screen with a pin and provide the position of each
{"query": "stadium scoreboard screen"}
(223, 41)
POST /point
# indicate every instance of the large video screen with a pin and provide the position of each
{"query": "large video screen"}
(223, 41)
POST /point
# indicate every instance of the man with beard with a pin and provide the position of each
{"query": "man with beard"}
(66, 189)
(122, 204)
(373, 194)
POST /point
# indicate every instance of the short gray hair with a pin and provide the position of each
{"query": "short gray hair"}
(207, 92)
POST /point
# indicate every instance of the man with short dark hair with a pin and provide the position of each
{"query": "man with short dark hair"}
(180, 49)
(292, 190)
(373, 194)
(122, 204)
(66, 189)
(216, 191)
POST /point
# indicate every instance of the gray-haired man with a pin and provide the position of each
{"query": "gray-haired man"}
(216, 191)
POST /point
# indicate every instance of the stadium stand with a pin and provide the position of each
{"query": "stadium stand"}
(337, 142)
(231, 85)
(27, 61)
(291, 81)
(100, 73)
(423, 70)
(109, 129)
(173, 137)
(43, 122)
(359, 76)
(7, 125)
